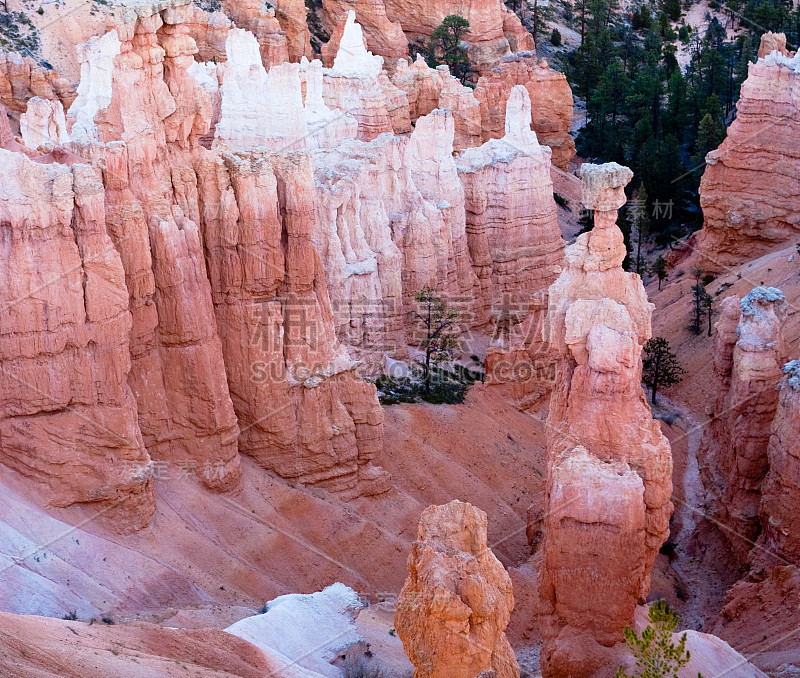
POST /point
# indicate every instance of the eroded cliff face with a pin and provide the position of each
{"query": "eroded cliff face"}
(456, 603)
(551, 102)
(68, 417)
(749, 353)
(427, 88)
(748, 188)
(493, 27)
(397, 214)
(383, 35)
(224, 339)
(389, 26)
(781, 488)
(609, 468)
(273, 226)
(515, 246)
(21, 78)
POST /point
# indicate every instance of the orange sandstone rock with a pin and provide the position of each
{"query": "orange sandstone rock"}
(781, 488)
(455, 605)
(22, 78)
(551, 102)
(357, 85)
(382, 35)
(427, 88)
(68, 416)
(772, 42)
(748, 187)
(260, 19)
(750, 351)
(609, 468)
(492, 27)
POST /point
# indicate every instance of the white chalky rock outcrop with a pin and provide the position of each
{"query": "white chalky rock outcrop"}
(326, 127)
(95, 89)
(259, 109)
(43, 124)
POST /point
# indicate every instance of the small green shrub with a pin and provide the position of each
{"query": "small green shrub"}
(561, 201)
(655, 652)
(555, 37)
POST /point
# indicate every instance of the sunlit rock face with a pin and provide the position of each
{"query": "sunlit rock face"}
(773, 42)
(749, 353)
(456, 603)
(748, 187)
(389, 25)
(494, 30)
(391, 221)
(609, 467)
(261, 19)
(551, 102)
(356, 84)
(274, 221)
(382, 35)
(21, 78)
(145, 134)
(259, 109)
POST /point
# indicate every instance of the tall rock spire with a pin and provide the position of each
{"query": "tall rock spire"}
(609, 467)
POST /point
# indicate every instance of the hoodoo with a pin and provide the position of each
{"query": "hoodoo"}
(609, 467)
(455, 605)
(749, 352)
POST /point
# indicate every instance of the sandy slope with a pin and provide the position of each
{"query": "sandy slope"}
(36, 647)
(212, 552)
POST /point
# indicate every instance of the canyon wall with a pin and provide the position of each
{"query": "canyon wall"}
(219, 332)
(67, 417)
(748, 189)
(749, 352)
(272, 227)
(609, 468)
(456, 603)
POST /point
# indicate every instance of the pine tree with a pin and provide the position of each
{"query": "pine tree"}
(697, 301)
(656, 653)
(746, 57)
(438, 339)
(445, 44)
(660, 267)
(660, 366)
(707, 303)
(542, 13)
(710, 135)
(642, 222)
